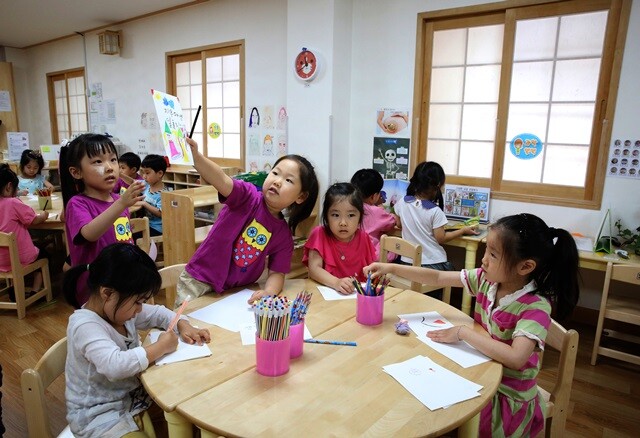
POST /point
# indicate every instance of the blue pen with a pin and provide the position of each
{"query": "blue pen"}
(320, 341)
(368, 284)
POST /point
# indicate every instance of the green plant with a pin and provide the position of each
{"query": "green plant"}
(629, 239)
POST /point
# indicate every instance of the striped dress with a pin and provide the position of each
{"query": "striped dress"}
(517, 409)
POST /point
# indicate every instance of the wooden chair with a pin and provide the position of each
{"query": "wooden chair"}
(170, 276)
(150, 245)
(618, 308)
(16, 276)
(557, 398)
(405, 248)
(34, 382)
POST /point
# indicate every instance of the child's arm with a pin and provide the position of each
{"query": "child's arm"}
(40, 217)
(443, 236)
(153, 210)
(127, 178)
(513, 356)
(210, 171)
(321, 275)
(99, 225)
(167, 343)
(415, 273)
(48, 185)
(273, 286)
(191, 334)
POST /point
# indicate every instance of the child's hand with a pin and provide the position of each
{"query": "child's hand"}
(192, 144)
(24, 192)
(470, 230)
(193, 335)
(447, 336)
(344, 286)
(167, 342)
(377, 269)
(257, 295)
(133, 194)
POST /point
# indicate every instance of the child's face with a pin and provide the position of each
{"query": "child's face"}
(283, 187)
(131, 172)
(30, 170)
(127, 310)
(344, 220)
(151, 176)
(99, 172)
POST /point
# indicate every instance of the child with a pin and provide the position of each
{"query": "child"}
(104, 354)
(30, 173)
(250, 227)
(423, 220)
(129, 164)
(95, 216)
(16, 217)
(526, 268)
(376, 221)
(153, 168)
(339, 248)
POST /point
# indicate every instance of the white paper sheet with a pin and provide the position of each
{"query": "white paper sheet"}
(184, 351)
(434, 386)
(248, 334)
(460, 352)
(331, 294)
(231, 313)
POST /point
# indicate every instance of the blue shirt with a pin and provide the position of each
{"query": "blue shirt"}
(31, 184)
(154, 199)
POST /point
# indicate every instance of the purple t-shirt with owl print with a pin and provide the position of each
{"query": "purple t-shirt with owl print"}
(234, 252)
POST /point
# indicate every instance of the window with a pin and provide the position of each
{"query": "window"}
(67, 104)
(497, 80)
(214, 78)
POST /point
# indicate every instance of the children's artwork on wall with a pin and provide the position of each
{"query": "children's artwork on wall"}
(624, 158)
(391, 157)
(16, 143)
(172, 126)
(466, 202)
(266, 137)
(393, 123)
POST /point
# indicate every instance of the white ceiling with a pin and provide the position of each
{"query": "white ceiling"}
(24, 23)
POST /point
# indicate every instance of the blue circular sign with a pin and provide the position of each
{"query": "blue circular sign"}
(525, 146)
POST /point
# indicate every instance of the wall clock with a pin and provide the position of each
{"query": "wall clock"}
(306, 65)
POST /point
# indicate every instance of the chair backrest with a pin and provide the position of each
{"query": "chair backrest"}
(141, 224)
(566, 342)
(8, 240)
(170, 276)
(403, 248)
(34, 382)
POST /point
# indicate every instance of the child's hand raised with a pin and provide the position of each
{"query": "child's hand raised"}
(344, 286)
(133, 194)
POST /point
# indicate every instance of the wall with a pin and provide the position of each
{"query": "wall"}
(368, 49)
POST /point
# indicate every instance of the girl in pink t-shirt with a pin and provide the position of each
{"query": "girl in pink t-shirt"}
(339, 248)
(16, 217)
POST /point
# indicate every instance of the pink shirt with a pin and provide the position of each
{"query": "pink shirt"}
(15, 217)
(341, 259)
(376, 222)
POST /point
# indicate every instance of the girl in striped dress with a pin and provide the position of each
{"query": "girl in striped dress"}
(527, 270)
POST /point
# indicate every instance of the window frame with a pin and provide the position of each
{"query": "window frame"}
(202, 53)
(53, 115)
(589, 196)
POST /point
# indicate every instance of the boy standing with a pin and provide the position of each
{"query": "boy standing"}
(376, 221)
(129, 165)
(153, 168)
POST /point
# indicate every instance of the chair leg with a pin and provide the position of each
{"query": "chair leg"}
(18, 288)
(46, 281)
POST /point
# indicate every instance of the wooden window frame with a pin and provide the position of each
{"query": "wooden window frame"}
(202, 53)
(589, 196)
(53, 115)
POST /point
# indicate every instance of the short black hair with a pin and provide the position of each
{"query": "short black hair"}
(339, 192)
(368, 181)
(154, 162)
(130, 159)
(30, 155)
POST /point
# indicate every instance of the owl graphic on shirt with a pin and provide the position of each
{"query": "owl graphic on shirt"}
(122, 229)
(250, 244)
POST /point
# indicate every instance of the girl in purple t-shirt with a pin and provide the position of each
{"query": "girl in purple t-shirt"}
(250, 227)
(95, 217)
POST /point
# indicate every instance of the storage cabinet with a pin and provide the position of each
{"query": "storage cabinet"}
(183, 177)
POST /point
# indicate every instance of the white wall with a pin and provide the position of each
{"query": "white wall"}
(368, 49)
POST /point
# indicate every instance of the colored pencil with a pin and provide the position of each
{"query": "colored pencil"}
(45, 204)
(175, 319)
(320, 341)
(195, 120)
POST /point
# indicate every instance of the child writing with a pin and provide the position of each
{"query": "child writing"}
(339, 248)
(423, 219)
(16, 217)
(527, 268)
(129, 164)
(30, 173)
(377, 221)
(95, 216)
(250, 227)
(104, 395)
(153, 168)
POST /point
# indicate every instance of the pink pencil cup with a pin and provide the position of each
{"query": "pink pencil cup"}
(369, 310)
(296, 335)
(272, 357)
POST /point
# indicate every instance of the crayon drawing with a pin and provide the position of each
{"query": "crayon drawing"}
(174, 132)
